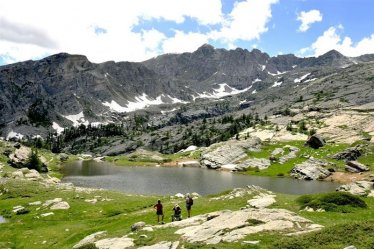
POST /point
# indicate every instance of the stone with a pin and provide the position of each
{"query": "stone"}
(362, 188)
(32, 175)
(20, 210)
(25, 170)
(231, 226)
(89, 239)
(143, 236)
(351, 169)
(350, 247)
(312, 169)
(115, 243)
(63, 157)
(262, 201)
(292, 153)
(60, 206)
(147, 229)
(228, 152)
(260, 163)
(349, 154)
(359, 166)
(17, 174)
(162, 245)
(250, 242)
(315, 141)
(92, 201)
(47, 214)
(17, 145)
(47, 203)
(179, 195)
(36, 203)
(277, 151)
(137, 226)
(308, 209)
(19, 158)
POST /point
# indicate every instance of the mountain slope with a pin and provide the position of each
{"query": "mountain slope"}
(64, 90)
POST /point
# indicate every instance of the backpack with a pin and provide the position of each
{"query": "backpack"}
(190, 201)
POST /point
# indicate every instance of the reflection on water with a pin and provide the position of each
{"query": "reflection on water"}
(2, 219)
(161, 181)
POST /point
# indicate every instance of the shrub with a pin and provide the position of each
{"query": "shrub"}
(335, 202)
(359, 234)
(33, 162)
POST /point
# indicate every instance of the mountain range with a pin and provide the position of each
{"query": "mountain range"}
(65, 90)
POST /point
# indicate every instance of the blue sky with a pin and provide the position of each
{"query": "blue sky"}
(126, 30)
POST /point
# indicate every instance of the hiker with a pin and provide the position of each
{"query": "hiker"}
(159, 211)
(177, 213)
(189, 203)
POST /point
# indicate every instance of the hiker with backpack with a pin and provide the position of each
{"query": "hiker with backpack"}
(189, 203)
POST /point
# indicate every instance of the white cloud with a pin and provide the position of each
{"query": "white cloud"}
(184, 42)
(43, 27)
(247, 21)
(331, 39)
(308, 18)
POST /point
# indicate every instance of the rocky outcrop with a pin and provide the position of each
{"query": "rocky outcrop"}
(312, 169)
(260, 163)
(25, 173)
(315, 141)
(18, 159)
(90, 239)
(261, 201)
(362, 188)
(228, 152)
(231, 226)
(292, 153)
(349, 154)
(358, 166)
(115, 243)
(56, 204)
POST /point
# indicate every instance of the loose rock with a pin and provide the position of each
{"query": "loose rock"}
(137, 226)
(60, 206)
(349, 154)
(312, 169)
(90, 239)
(359, 166)
(115, 243)
(260, 163)
(262, 201)
(362, 188)
(18, 159)
(315, 141)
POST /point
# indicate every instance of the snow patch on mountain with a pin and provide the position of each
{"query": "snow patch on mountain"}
(57, 128)
(13, 134)
(77, 119)
(277, 83)
(141, 102)
(222, 91)
(278, 73)
(298, 80)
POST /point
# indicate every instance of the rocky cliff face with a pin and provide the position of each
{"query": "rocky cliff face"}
(64, 90)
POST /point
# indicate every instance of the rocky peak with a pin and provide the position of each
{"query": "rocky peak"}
(205, 49)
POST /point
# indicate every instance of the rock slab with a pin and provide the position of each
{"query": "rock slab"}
(312, 169)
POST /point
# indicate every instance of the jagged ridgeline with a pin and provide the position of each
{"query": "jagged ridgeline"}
(173, 97)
